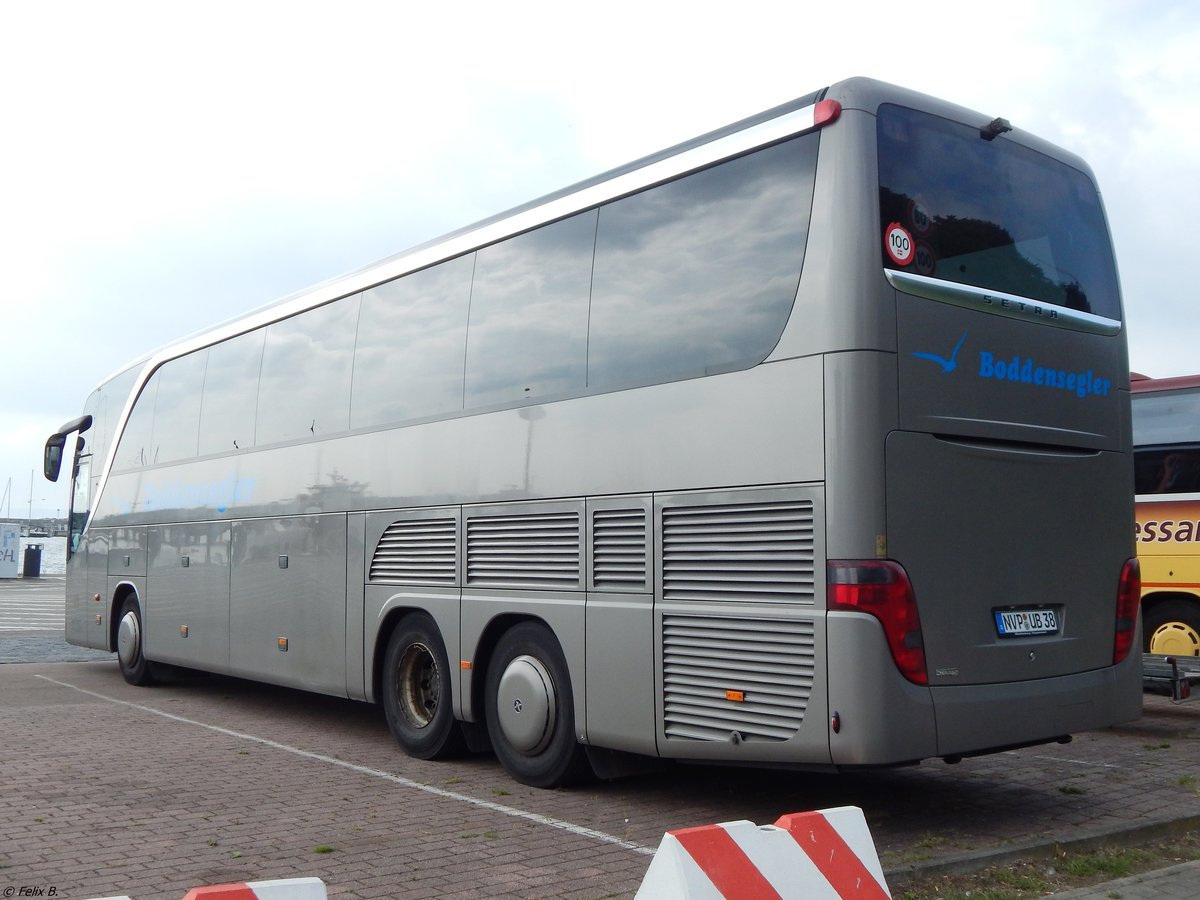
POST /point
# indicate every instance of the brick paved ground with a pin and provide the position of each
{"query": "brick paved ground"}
(109, 789)
(113, 789)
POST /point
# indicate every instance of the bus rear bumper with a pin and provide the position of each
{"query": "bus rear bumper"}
(977, 718)
(886, 720)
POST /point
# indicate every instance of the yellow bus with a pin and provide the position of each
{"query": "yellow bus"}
(1166, 437)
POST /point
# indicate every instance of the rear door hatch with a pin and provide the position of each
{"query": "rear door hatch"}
(1009, 499)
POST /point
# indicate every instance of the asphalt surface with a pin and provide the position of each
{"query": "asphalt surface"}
(111, 789)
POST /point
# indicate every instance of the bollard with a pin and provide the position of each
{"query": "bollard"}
(33, 560)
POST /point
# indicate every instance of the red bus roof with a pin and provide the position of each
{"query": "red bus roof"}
(1142, 383)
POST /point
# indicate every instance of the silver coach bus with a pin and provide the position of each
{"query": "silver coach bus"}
(804, 443)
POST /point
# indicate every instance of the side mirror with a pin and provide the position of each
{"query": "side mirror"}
(52, 461)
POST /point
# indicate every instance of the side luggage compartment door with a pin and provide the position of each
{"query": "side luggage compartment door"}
(287, 607)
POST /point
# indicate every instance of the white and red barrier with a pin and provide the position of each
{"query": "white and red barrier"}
(278, 889)
(823, 854)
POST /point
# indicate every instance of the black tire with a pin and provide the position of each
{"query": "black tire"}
(416, 690)
(135, 668)
(1172, 626)
(530, 711)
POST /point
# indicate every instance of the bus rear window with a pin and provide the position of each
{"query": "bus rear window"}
(992, 214)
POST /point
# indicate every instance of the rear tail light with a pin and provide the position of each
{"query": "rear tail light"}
(1129, 594)
(881, 589)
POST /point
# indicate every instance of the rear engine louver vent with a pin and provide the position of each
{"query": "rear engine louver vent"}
(766, 666)
(524, 551)
(417, 552)
(758, 553)
(619, 550)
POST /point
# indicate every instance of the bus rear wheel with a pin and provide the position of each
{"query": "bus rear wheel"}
(417, 692)
(1172, 627)
(530, 711)
(135, 668)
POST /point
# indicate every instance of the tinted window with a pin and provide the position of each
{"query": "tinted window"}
(1166, 417)
(1166, 435)
(699, 275)
(1167, 470)
(105, 406)
(411, 339)
(177, 408)
(529, 307)
(304, 390)
(993, 214)
(163, 423)
(230, 394)
(133, 450)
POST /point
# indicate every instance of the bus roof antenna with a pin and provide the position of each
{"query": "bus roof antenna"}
(993, 128)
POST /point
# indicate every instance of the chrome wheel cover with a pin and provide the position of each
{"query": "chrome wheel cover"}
(129, 639)
(525, 705)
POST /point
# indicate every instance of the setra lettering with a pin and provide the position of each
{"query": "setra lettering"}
(1012, 304)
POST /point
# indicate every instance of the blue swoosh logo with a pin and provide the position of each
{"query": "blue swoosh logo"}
(948, 365)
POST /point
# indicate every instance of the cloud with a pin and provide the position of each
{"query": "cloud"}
(168, 167)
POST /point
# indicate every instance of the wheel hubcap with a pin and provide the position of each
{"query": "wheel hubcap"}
(419, 685)
(129, 639)
(1175, 639)
(525, 705)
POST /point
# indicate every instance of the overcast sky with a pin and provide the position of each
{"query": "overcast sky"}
(167, 166)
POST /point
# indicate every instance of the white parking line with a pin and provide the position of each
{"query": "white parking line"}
(578, 830)
(1075, 762)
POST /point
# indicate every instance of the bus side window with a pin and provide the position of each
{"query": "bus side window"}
(1172, 470)
(1180, 473)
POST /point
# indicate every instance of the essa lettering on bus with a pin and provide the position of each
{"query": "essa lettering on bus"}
(1167, 530)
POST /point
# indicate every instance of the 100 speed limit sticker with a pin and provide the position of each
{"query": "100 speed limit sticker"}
(899, 244)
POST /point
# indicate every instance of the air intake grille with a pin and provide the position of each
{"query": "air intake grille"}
(759, 553)
(538, 551)
(619, 549)
(768, 663)
(416, 552)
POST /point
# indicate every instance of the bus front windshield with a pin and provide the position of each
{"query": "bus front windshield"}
(993, 214)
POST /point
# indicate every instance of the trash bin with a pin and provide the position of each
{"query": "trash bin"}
(33, 560)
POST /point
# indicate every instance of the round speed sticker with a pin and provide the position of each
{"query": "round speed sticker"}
(899, 244)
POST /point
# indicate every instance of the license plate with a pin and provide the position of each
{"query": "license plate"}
(1018, 622)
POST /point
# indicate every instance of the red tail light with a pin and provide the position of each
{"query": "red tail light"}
(881, 588)
(1129, 598)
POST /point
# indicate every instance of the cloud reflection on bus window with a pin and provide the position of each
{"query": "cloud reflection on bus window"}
(408, 362)
(699, 276)
(529, 310)
(231, 394)
(304, 391)
(133, 450)
(177, 408)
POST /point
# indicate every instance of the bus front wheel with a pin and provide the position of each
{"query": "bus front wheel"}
(1172, 627)
(530, 711)
(135, 668)
(417, 691)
